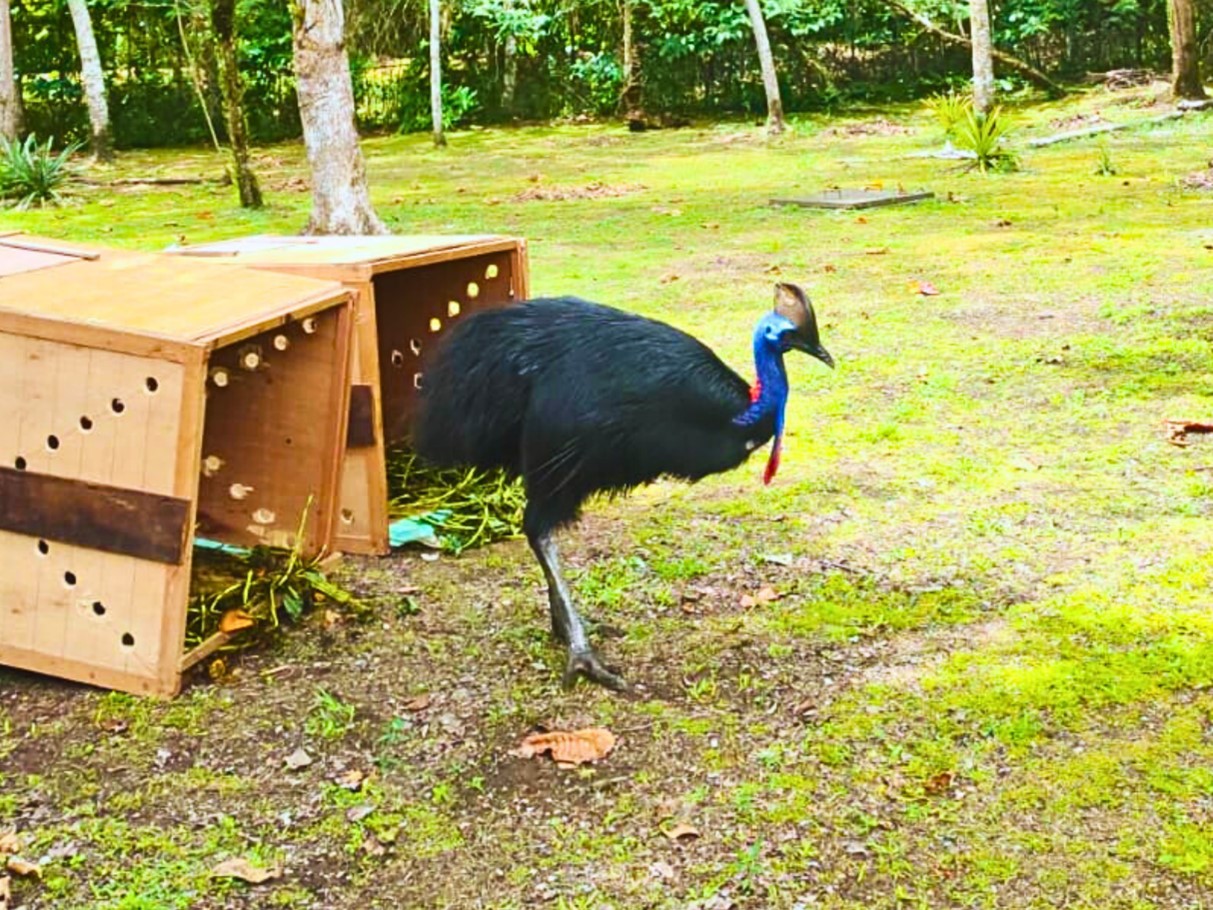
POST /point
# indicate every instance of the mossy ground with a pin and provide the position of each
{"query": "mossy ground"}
(987, 682)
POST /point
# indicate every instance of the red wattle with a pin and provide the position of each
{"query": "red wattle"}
(772, 462)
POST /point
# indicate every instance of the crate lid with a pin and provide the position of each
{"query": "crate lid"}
(347, 256)
(195, 301)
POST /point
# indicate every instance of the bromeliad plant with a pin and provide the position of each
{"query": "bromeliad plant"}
(950, 109)
(985, 136)
(31, 173)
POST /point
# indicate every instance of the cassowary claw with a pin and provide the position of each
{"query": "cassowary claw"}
(587, 664)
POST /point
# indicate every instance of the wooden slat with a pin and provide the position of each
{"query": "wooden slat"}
(110, 519)
(42, 246)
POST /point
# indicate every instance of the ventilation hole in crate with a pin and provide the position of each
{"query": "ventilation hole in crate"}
(473, 290)
(415, 346)
(397, 359)
(19, 463)
(491, 272)
(435, 324)
(453, 308)
(98, 608)
(220, 378)
(347, 516)
(416, 380)
(152, 384)
(239, 491)
(309, 325)
(52, 442)
(43, 548)
(264, 517)
(69, 579)
(117, 406)
(211, 465)
(281, 342)
(250, 356)
(128, 640)
(86, 423)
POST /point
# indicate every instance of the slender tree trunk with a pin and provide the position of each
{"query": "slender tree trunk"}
(509, 78)
(983, 59)
(10, 101)
(436, 71)
(94, 81)
(1185, 55)
(769, 80)
(340, 202)
(223, 24)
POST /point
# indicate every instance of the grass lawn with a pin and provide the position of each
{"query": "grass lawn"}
(987, 680)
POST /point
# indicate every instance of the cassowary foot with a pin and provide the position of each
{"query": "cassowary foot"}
(587, 664)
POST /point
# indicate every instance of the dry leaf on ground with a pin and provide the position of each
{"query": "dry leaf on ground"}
(10, 842)
(241, 868)
(235, 620)
(297, 759)
(23, 867)
(940, 783)
(419, 703)
(571, 748)
(765, 595)
(925, 288)
(681, 832)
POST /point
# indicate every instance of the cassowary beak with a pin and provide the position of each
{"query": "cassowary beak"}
(812, 349)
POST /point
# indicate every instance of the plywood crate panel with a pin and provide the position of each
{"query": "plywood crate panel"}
(143, 397)
(408, 290)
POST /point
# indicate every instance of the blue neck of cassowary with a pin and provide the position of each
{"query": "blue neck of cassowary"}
(770, 393)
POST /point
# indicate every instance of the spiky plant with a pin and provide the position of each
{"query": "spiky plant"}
(949, 108)
(31, 173)
(985, 136)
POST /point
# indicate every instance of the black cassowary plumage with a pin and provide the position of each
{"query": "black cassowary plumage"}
(577, 398)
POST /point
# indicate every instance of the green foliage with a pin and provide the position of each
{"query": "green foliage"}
(1104, 165)
(985, 136)
(31, 173)
(458, 104)
(950, 110)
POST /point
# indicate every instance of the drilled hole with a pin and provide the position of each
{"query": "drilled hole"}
(397, 359)
(416, 380)
(128, 640)
(309, 325)
(152, 384)
(415, 346)
(281, 342)
(19, 463)
(453, 308)
(435, 324)
(473, 290)
(491, 272)
(43, 547)
(69, 579)
(347, 516)
(98, 608)
(117, 406)
(86, 423)
(52, 442)
(220, 378)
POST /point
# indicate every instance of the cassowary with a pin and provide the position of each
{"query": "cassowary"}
(577, 398)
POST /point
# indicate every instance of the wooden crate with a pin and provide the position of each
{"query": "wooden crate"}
(144, 398)
(407, 291)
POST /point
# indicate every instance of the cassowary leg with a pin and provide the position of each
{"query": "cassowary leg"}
(566, 624)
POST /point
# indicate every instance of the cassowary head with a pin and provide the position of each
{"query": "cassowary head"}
(793, 324)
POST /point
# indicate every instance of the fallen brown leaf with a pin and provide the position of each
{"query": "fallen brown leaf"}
(681, 832)
(234, 620)
(940, 783)
(10, 842)
(418, 703)
(925, 288)
(297, 759)
(351, 780)
(829, 267)
(573, 748)
(241, 868)
(876, 251)
(23, 867)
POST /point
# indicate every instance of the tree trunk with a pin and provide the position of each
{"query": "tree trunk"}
(340, 202)
(10, 102)
(983, 59)
(1028, 71)
(769, 80)
(1185, 56)
(509, 78)
(94, 81)
(223, 16)
(436, 71)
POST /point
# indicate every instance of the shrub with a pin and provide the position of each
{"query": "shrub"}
(31, 173)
